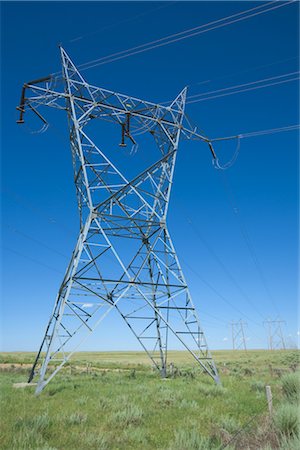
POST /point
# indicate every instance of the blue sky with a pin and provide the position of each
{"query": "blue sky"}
(228, 258)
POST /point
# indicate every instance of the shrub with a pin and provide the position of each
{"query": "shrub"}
(211, 390)
(167, 398)
(192, 440)
(82, 400)
(136, 435)
(229, 424)
(55, 389)
(104, 404)
(189, 404)
(286, 420)
(76, 418)
(37, 424)
(31, 432)
(26, 439)
(291, 386)
(131, 414)
(97, 441)
(258, 386)
(290, 443)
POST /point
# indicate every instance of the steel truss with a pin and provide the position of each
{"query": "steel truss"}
(124, 259)
(238, 335)
(275, 335)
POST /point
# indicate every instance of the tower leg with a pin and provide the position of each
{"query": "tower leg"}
(77, 311)
(55, 320)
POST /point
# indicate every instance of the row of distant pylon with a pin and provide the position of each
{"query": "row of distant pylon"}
(276, 339)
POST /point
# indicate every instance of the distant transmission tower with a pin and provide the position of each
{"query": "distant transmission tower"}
(238, 335)
(124, 259)
(275, 335)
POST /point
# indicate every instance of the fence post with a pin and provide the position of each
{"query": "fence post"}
(269, 399)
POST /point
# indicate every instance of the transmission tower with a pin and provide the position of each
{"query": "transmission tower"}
(238, 335)
(124, 259)
(275, 335)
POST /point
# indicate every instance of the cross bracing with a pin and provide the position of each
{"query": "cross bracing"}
(124, 259)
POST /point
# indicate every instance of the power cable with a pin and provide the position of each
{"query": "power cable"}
(15, 230)
(36, 210)
(242, 85)
(31, 259)
(228, 273)
(217, 293)
(232, 202)
(225, 269)
(212, 316)
(121, 22)
(251, 69)
(259, 133)
(253, 88)
(181, 35)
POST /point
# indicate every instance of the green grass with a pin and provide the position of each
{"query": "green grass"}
(286, 420)
(103, 407)
(291, 386)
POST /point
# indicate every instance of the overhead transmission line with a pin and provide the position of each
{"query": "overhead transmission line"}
(186, 34)
(252, 88)
(196, 231)
(250, 69)
(223, 266)
(238, 137)
(40, 263)
(244, 232)
(121, 22)
(221, 296)
(217, 91)
(33, 239)
(259, 133)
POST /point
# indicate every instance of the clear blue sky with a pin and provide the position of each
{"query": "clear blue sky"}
(39, 212)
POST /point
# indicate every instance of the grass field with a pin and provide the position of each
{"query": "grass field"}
(117, 401)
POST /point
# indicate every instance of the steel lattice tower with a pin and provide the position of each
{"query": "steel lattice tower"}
(121, 220)
(238, 335)
(275, 334)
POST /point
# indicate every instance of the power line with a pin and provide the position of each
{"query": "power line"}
(216, 292)
(31, 259)
(232, 87)
(243, 85)
(15, 230)
(251, 69)
(221, 264)
(253, 88)
(37, 210)
(182, 35)
(232, 202)
(259, 133)
(248, 135)
(120, 22)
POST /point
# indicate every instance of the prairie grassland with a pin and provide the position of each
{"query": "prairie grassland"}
(117, 401)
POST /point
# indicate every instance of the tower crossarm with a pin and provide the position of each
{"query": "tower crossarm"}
(94, 102)
(110, 105)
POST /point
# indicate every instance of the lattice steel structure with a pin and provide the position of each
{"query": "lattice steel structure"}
(275, 335)
(124, 258)
(238, 335)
